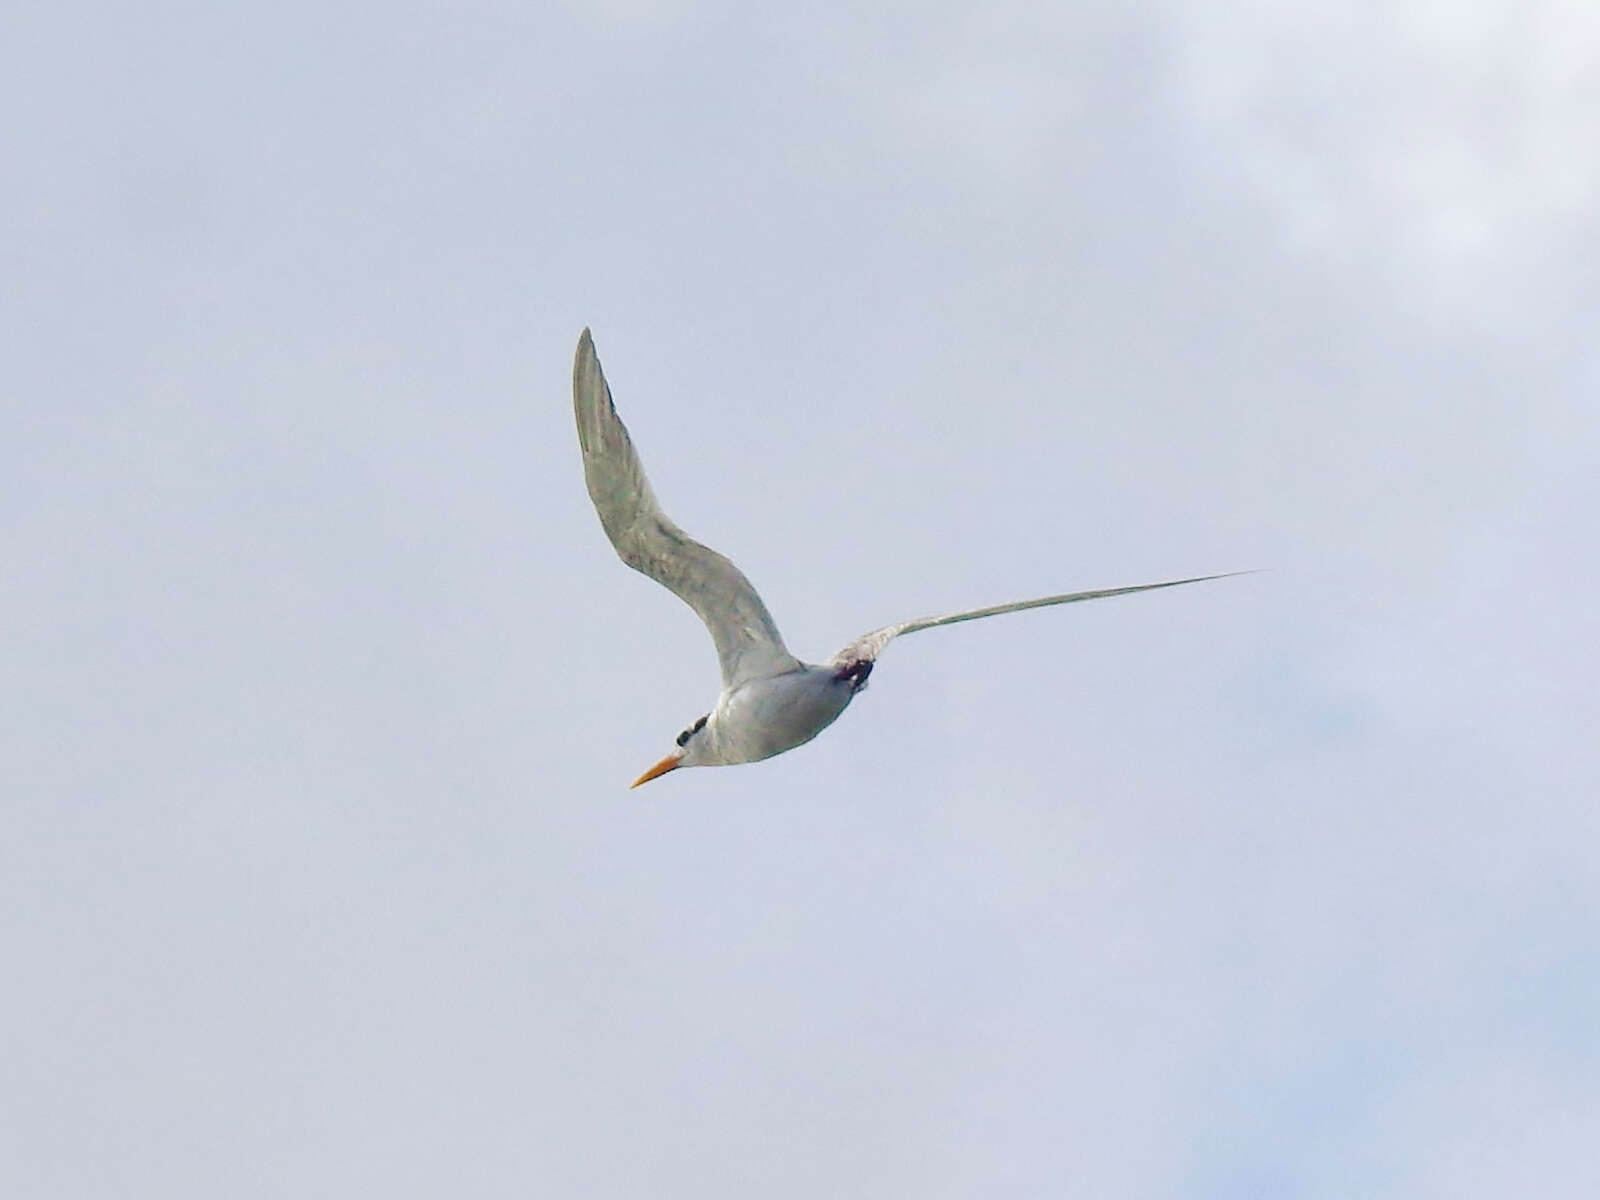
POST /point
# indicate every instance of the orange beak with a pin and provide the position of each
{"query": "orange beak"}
(669, 763)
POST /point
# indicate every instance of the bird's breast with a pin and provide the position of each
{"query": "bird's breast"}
(768, 716)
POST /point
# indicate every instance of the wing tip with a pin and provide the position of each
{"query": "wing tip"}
(585, 351)
(586, 365)
(591, 397)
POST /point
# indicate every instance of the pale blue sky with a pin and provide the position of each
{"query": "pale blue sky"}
(321, 876)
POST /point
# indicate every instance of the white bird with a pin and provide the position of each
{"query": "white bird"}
(771, 701)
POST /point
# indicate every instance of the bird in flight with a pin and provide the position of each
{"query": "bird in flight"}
(771, 701)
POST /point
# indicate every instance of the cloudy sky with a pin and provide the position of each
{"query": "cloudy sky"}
(319, 873)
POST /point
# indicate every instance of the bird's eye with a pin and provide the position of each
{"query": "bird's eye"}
(692, 730)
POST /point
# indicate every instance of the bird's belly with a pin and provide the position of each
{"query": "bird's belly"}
(768, 716)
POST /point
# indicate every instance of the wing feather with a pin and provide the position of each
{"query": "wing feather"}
(747, 640)
(868, 646)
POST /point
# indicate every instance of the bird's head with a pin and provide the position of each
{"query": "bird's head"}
(693, 751)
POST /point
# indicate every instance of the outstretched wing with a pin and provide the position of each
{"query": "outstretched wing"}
(867, 647)
(748, 643)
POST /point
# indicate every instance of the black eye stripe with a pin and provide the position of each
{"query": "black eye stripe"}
(688, 733)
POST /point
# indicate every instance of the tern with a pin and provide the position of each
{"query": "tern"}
(771, 701)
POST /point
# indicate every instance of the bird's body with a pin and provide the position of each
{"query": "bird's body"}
(763, 717)
(771, 701)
